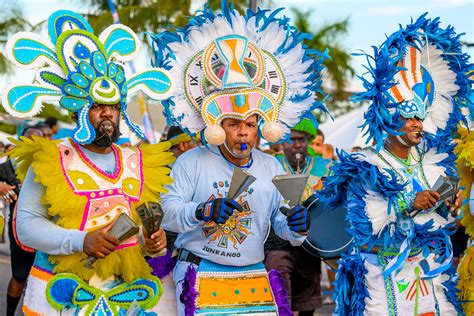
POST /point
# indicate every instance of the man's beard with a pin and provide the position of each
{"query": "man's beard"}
(103, 139)
(236, 154)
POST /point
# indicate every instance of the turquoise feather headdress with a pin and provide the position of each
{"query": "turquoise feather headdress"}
(77, 69)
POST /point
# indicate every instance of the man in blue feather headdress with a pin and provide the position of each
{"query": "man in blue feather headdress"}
(401, 195)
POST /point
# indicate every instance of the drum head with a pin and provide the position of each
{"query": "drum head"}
(327, 236)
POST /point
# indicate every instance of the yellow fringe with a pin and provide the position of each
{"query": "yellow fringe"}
(465, 163)
(2, 223)
(466, 281)
(156, 175)
(128, 263)
(24, 150)
(43, 155)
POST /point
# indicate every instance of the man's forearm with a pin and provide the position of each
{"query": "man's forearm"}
(179, 216)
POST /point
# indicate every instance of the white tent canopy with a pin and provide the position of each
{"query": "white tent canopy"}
(344, 132)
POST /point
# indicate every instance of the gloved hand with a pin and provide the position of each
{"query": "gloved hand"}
(298, 219)
(218, 210)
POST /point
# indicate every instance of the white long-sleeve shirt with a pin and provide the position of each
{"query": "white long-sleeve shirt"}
(36, 229)
(202, 174)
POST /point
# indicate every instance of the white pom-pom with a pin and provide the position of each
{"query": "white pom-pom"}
(272, 131)
(214, 134)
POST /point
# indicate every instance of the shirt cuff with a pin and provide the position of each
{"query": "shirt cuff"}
(191, 214)
(77, 241)
(296, 239)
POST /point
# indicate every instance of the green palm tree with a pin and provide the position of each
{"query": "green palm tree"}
(147, 15)
(11, 21)
(328, 36)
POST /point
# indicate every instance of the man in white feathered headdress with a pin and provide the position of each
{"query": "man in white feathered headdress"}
(237, 77)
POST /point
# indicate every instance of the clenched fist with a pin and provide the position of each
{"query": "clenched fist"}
(156, 242)
(425, 200)
(99, 244)
(453, 207)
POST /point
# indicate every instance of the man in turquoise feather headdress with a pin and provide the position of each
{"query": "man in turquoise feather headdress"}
(76, 189)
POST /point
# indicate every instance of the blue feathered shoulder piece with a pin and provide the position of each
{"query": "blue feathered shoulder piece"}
(420, 70)
(350, 180)
(352, 171)
(222, 58)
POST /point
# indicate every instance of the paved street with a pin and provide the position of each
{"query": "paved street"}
(5, 275)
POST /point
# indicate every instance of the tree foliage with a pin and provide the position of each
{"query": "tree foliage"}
(147, 15)
(11, 21)
(328, 37)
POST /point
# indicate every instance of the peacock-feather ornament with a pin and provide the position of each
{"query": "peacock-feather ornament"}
(76, 69)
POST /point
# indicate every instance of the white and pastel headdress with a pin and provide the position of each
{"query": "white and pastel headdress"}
(421, 71)
(76, 68)
(226, 65)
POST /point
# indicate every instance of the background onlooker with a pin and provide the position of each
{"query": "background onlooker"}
(21, 259)
(180, 141)
(317, 144)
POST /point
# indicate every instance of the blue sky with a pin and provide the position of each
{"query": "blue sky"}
(370, 20)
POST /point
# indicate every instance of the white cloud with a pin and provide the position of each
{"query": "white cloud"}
(408, 8)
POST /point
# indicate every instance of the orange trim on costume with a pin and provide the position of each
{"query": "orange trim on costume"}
(240, 109)
(403, 73)
(29, 312)
(423, 283)
(413, 59)
(15, 235)
(218, 291)
(396, 93)
(411, 293)
(40, 274)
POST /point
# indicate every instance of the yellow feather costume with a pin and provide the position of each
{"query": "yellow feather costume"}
(2, 223)
(76, 191)
(465, 164)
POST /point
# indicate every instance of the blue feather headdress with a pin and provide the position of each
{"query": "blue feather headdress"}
(228, 65)
(76, 68)
(420, 70)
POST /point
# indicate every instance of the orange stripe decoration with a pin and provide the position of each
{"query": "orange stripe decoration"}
(425, 287)
(403, 73)
(414, 67)
(29, 312)
(234, 63)
(411, 292)
(240, 109)
(40, 274)
(396, 93)
(240, 291)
